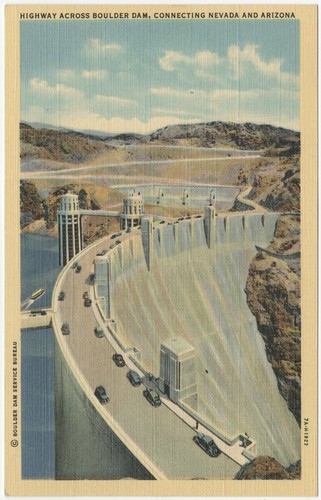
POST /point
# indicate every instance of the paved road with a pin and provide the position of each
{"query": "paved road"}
(58, 173)
(157, 432)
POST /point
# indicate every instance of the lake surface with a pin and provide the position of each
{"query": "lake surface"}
(39, 269)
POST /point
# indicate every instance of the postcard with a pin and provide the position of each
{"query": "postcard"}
(161, 284)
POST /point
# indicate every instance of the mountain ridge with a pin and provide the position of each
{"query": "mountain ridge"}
(78, 147)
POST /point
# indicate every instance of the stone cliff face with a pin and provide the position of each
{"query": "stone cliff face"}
(273, 295)
(31, 204)
(269, 468)
(278, 189)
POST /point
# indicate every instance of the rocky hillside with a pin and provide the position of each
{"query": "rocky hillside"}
(273, 295)
(31, 204)
(278, 188)
(226, 134)
(269, 468)
(76, 147)
(66, 146)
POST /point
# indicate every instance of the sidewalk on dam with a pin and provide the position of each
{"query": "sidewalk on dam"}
(234, 452)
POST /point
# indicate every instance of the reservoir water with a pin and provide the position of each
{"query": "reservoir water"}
(39, 269)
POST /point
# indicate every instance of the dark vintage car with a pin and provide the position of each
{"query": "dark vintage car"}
(78, 269)
(152, 397)
(119, 360)
(87, 302)
(101, 395)
(65, 329)
(134, 378)
(85, 295)
(61, 296)
(99, 332)
(207, 444)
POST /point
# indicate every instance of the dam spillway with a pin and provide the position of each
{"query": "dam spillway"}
(196, 291)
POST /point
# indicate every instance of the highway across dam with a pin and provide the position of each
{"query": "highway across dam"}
(158, 438)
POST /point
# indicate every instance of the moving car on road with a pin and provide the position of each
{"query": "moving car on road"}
(119, 360)
(152, 396)
(134, 378)
(87, 302)
(65, 329)
(78, 269)
(101, 395)
(99, 332)
(207, 444)
(61, 296)
(75, 264)
(85, 295)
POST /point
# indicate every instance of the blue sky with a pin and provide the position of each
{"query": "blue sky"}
(137, 76)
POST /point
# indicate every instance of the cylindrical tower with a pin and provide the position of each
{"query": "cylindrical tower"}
(132, 212)
(69, 228)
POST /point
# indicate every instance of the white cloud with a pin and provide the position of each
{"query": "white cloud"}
(233, 94)
(172, 60)
(168, 111)
(115, 100)
(245, 64)
(169, 92)
(249, 54)
(97, 46)
(79, 120)
(94, 74)
(60, 89)
(66, 74)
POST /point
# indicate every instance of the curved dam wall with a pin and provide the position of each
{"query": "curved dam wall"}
(86, 448)
(195, 290)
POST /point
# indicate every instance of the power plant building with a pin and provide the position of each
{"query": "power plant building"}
(177, 376)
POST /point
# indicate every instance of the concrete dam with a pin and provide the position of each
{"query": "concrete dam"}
(186, 279)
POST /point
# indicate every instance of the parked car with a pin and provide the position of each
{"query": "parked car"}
(134, 378)
(75, 264)
(38, 312)
(87, 302)
(99, 332)
(119, 360)
(103, 252)
(91, 277)
(61, 296)
(207, 444)
(152, 396)
(78, 269)
(85, 295)
(65, 329)
(101, 395)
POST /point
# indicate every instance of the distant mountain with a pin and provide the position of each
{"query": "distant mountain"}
(95, 133)
(39, 142)
(226, 134)
(59, 145)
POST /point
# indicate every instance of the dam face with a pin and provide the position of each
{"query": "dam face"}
(195, 291)
(86, 448)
